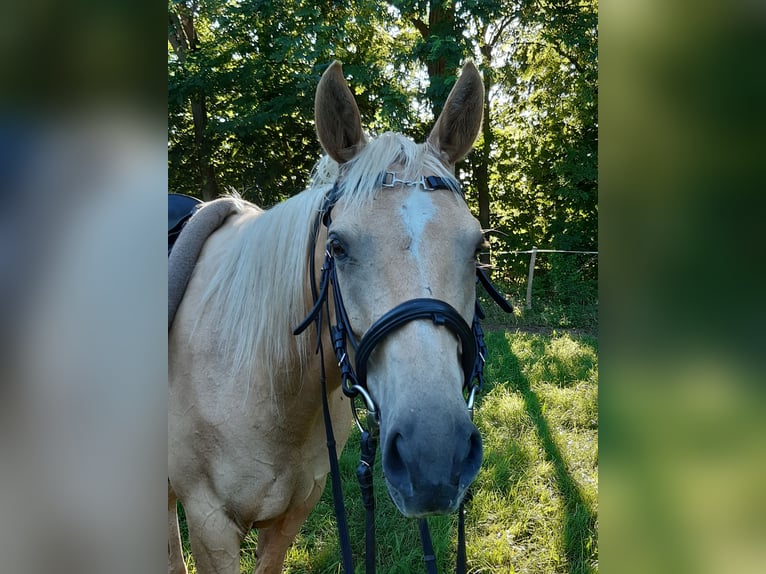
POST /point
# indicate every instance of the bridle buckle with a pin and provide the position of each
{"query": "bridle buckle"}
(390, 179)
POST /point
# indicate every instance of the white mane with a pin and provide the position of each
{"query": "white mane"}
(261, 291)
(258, 290)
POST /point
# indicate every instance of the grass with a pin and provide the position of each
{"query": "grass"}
(534, 506)
(545, 314)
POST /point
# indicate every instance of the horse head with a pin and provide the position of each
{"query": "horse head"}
(409, 241)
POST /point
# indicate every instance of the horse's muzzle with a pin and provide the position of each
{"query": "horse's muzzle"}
(428, 471)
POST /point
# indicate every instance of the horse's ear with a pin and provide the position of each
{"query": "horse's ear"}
(338, 124)
(458, 125)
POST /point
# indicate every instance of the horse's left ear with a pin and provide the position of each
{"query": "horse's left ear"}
(458, 125)
(338, 124)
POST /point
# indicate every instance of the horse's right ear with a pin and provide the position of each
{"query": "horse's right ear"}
(338, 124)
(460, 121)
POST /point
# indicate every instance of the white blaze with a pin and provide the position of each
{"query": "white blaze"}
(417, 211)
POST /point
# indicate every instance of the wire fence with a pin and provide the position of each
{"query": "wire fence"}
(533, 258)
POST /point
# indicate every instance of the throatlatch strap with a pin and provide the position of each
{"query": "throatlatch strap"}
(492, 291)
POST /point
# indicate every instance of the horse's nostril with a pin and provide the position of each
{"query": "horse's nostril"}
(472, 461)
(394, 464)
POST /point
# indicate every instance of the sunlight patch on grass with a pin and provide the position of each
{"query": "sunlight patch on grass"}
(574, 407)
(536, 496)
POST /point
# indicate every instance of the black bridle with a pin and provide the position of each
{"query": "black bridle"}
(354, 377)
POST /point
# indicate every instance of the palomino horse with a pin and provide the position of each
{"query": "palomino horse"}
(245, 428)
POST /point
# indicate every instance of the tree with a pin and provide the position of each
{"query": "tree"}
(536, 163)
(490, 22)
(258, 63)
(242, 78)
(183, 37)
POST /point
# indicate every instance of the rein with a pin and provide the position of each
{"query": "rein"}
(354, 377)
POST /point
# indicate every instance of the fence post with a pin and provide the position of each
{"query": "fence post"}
(530, 277)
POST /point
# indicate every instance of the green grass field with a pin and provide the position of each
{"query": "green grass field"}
(535, 505)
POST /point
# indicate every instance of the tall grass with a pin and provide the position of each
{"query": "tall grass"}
(534, 506)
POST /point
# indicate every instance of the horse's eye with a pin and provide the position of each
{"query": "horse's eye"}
(337, 249)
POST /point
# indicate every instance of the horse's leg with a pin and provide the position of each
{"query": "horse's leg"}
(176, 564)
(275, 539)
(215, 538)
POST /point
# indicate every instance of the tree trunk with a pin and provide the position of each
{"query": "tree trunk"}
(183, 38)
(206, 170)
(441, 24)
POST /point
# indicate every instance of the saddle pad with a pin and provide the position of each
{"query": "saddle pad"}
(181, 260)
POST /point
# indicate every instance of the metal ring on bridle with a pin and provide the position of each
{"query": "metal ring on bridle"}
(368, 402)
(373, 421)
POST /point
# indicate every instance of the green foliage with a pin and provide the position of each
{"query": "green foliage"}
(257, 65)
(543, 165)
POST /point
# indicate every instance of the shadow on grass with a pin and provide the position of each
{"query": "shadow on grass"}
(579, 520)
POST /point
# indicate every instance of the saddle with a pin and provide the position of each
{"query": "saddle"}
(180, 209)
